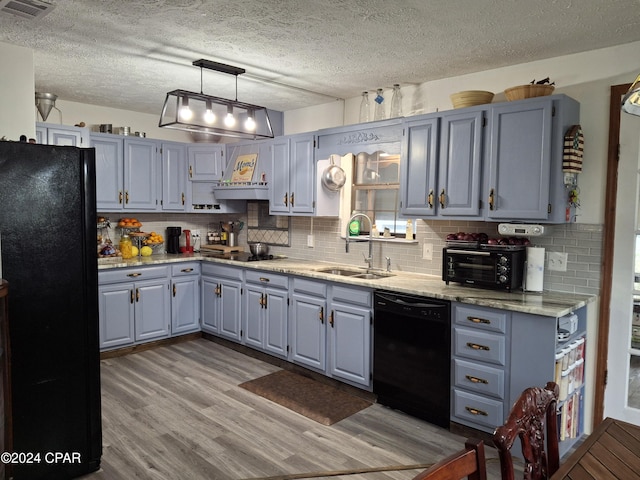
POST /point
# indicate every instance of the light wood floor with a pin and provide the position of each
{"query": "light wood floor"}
(176, 412)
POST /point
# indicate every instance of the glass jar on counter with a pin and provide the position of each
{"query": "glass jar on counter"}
(125, 246)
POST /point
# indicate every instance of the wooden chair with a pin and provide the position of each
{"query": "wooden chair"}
(535, 407)
(469, 462)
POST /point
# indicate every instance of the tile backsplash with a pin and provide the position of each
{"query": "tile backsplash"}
(581, 242)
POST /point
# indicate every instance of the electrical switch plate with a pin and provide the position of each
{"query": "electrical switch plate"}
(310, 241)
(557, 261)
(427, 251)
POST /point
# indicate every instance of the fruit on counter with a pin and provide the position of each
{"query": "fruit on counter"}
(153, 239)
(127, 222)
(509, 241)
(134, 250)
(468, 237)
(146, 251)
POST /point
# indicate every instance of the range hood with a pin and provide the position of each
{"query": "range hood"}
(247, 174)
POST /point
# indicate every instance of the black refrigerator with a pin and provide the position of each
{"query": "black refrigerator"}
(48, 255)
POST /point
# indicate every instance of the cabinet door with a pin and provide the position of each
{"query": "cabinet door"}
(459, 164)
(276, 321)
(279, 185)
(185, 304)
(302, 183)
(308, 331)
(65, 137)
(230, 305)
(209, 305)
(206, 162)
(116, 313)
(109, 173)
(152, 310)
(350, 343)
(140, 174)
(254, 317)
(174, 177)
(519, 161)
(419, 158)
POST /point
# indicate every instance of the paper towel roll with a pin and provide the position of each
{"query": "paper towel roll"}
(534, 273)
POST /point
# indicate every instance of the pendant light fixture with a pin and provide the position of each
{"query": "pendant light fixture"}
(631, 100)
(197, 112)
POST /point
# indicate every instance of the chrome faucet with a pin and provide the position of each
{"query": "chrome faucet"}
(368, 259)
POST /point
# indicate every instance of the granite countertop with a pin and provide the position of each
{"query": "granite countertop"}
(553, 304)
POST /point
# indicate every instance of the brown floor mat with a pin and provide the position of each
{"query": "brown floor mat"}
(323, 403)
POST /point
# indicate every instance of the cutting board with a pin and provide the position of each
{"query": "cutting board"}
(222, 248)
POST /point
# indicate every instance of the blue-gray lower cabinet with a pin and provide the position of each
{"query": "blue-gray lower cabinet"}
(185, 298)
(497, 354)
(134, 305)
(350, 328)
(331, 330)
(265, 312)
(221, 305)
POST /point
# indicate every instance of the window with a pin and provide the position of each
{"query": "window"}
(376, 191)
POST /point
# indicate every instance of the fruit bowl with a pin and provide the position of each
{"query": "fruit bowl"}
(155, 247)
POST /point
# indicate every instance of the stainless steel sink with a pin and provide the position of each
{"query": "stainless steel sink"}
(339, 271)
(373, 276)
(355, 273)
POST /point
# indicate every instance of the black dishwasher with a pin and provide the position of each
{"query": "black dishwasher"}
(412, 355)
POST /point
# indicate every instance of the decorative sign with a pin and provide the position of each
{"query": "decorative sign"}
(243, 169)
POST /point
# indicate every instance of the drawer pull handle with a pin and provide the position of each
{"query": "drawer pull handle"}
(479, 320)
(264, 279)
(477, 346)
(475, 411)
(187, 270)
(133, 274)
(473, 379)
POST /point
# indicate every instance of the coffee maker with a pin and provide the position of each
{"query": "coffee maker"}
(173, 239)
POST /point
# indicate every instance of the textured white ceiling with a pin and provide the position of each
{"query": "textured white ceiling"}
(128, 53)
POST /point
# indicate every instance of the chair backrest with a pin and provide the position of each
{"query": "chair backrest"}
(469, 463)
(535, 407)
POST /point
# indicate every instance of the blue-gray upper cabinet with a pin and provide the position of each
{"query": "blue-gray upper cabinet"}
(206, 162)
(524, 178)
(54, 134)
(109, 171)
(174, 177)
(292, 189)
(460, 163)
(419, 166)
(442, 164)
(141, 174)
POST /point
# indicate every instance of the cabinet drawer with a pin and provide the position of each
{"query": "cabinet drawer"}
(479, 378)
(180, 269)
(352, 296)
(132, 274)
(310, 287)
(213, 270)
(483, 346)
(267, 279)
(477, 409)
(481, 318)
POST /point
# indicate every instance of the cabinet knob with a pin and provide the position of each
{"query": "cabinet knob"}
(174, 289)
(473, 379)
(291, 199)
(137, 295)
(442, 198)
(331, 319)
(430, 199)
(132, 295)
(183, 198)
(477, 346)
(492, 201)
(126, 197)
(187, 270)
(137, 274)
(286, 200)
(120, 197)
(321, 315)
(190, 171)
(479, 320)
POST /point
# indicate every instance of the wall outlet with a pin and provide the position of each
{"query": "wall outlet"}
(310, 241)
(427, 251)
(557, 261)
(195, 233)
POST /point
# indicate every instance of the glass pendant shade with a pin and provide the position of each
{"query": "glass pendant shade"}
(215, 116)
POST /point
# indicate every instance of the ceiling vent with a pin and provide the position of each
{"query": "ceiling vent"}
(33, 9)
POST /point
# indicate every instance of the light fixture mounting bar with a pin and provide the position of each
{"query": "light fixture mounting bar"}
(219, 67)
